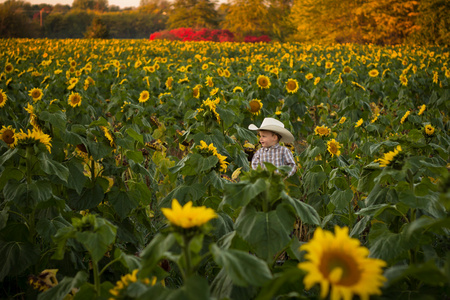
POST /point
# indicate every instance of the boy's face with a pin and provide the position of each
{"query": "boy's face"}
(267, 138)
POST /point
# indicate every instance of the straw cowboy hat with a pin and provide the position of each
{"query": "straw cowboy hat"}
(276, 126)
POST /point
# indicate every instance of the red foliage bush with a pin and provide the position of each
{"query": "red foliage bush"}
(204, 34)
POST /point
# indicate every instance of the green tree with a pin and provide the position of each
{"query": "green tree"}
(14, 21)
(194, 14)
(99, 5)
(97, 30)
(247, 17)
(434, 23)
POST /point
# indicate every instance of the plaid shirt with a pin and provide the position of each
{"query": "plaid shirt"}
(276, 155)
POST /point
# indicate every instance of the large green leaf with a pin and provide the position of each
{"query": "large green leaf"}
(97, 242)
(240, 194)
(89, 198)
(76, 179)
(341, 199)
(291, 277)
(52, 167)
(10, 173)
(312, 181)
(304, 211)
(245, 134)
(63, 288)
(243, 268)
(122, 202)
(266, 232)
(136, 136)
(16, 257)
(155, 251)
(57, 118)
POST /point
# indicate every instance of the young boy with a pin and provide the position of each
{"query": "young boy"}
(271, 133)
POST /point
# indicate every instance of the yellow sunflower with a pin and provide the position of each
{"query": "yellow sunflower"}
(255, 106)
(309, 76)
(209, 81)
(226, 73)
(359, 123)
(263, 82)
(108, 135)
(322, 131)
(144, 96)
(389, 157)
(205, 66)
(422, 109)
(7, 135)
(342, 120)
(328, 65)
(36, 94)
(292, 86)
(9, 68)
(429, 130)
(3, 98)
(74, 99)
(374, 73)
(32, 137)
(404, 80)
(169, 83)
(187, 216)
(317, 80)
(340, 262)
(196, 91)
(405, 116)
(346, 70)
(238, 89)
(333, 148)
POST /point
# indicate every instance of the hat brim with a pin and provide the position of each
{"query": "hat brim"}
(286, 136)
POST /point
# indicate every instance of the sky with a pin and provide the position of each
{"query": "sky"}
(120, 3)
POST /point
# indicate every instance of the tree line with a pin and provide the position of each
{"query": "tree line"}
(323, 21)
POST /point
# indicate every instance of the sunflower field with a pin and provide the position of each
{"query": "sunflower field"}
(125, 171)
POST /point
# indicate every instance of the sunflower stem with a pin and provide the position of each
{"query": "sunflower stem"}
(187, 255)
(28, 157)
(96, 278)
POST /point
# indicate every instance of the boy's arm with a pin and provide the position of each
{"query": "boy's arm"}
(290, 162)
(256, 159)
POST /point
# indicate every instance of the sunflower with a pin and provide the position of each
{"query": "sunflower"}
(238, 89)
(404, 80)
(422, 109)
(214, 91)
(226, 73)
(209, 81)
(74, 99)
(32, 137)
(205, 66)
(187, 216)
(317, 80)
(223, 164)
(7, 135)
(390, 158)
(9, 68)
(328, 65)
(346, 70)
(322, 131)
(375, 118)
(255, 106)
(333, 148)
(196, 91)
(108, 135)
(429, 130)
(309, 76)
(33, 117)
(292, 85)
(36, 94)
(341, 262)
(342, 120)
(3, 98)
(72, 83)
(169, 83)
(405, 116)
(263, 82)
(359, 123)
(137, 64)
(73, 63)
(374, 73)
(144, 96)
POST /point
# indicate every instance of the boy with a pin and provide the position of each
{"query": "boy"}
(271, 133)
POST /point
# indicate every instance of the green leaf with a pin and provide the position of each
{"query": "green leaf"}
(89, 198)
(10, 173)
(246, 134)
(52, 167)
(265, 232)
(136, 136)
(47, 228)
(240, 194)
(243, 268)
(122, 202)
(312, 181)
(16, 257)
(100, 122)
(7, 155)
(359, 227)
(304, 211)
(97, 243)
(131, 262)
(155, 251)
(57, 118)
(341, 199)
(76, 179)
(63, 288)
(287, 278)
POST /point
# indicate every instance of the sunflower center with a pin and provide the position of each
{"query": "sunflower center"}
(1, 98)
(255, 106)
(322, 131)
(263, 82)
(291, 85)
(8, 136)
(346, 70)
(340, 267)
(76, 99)
(9, 68)
(36, 94)
(333, 148)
